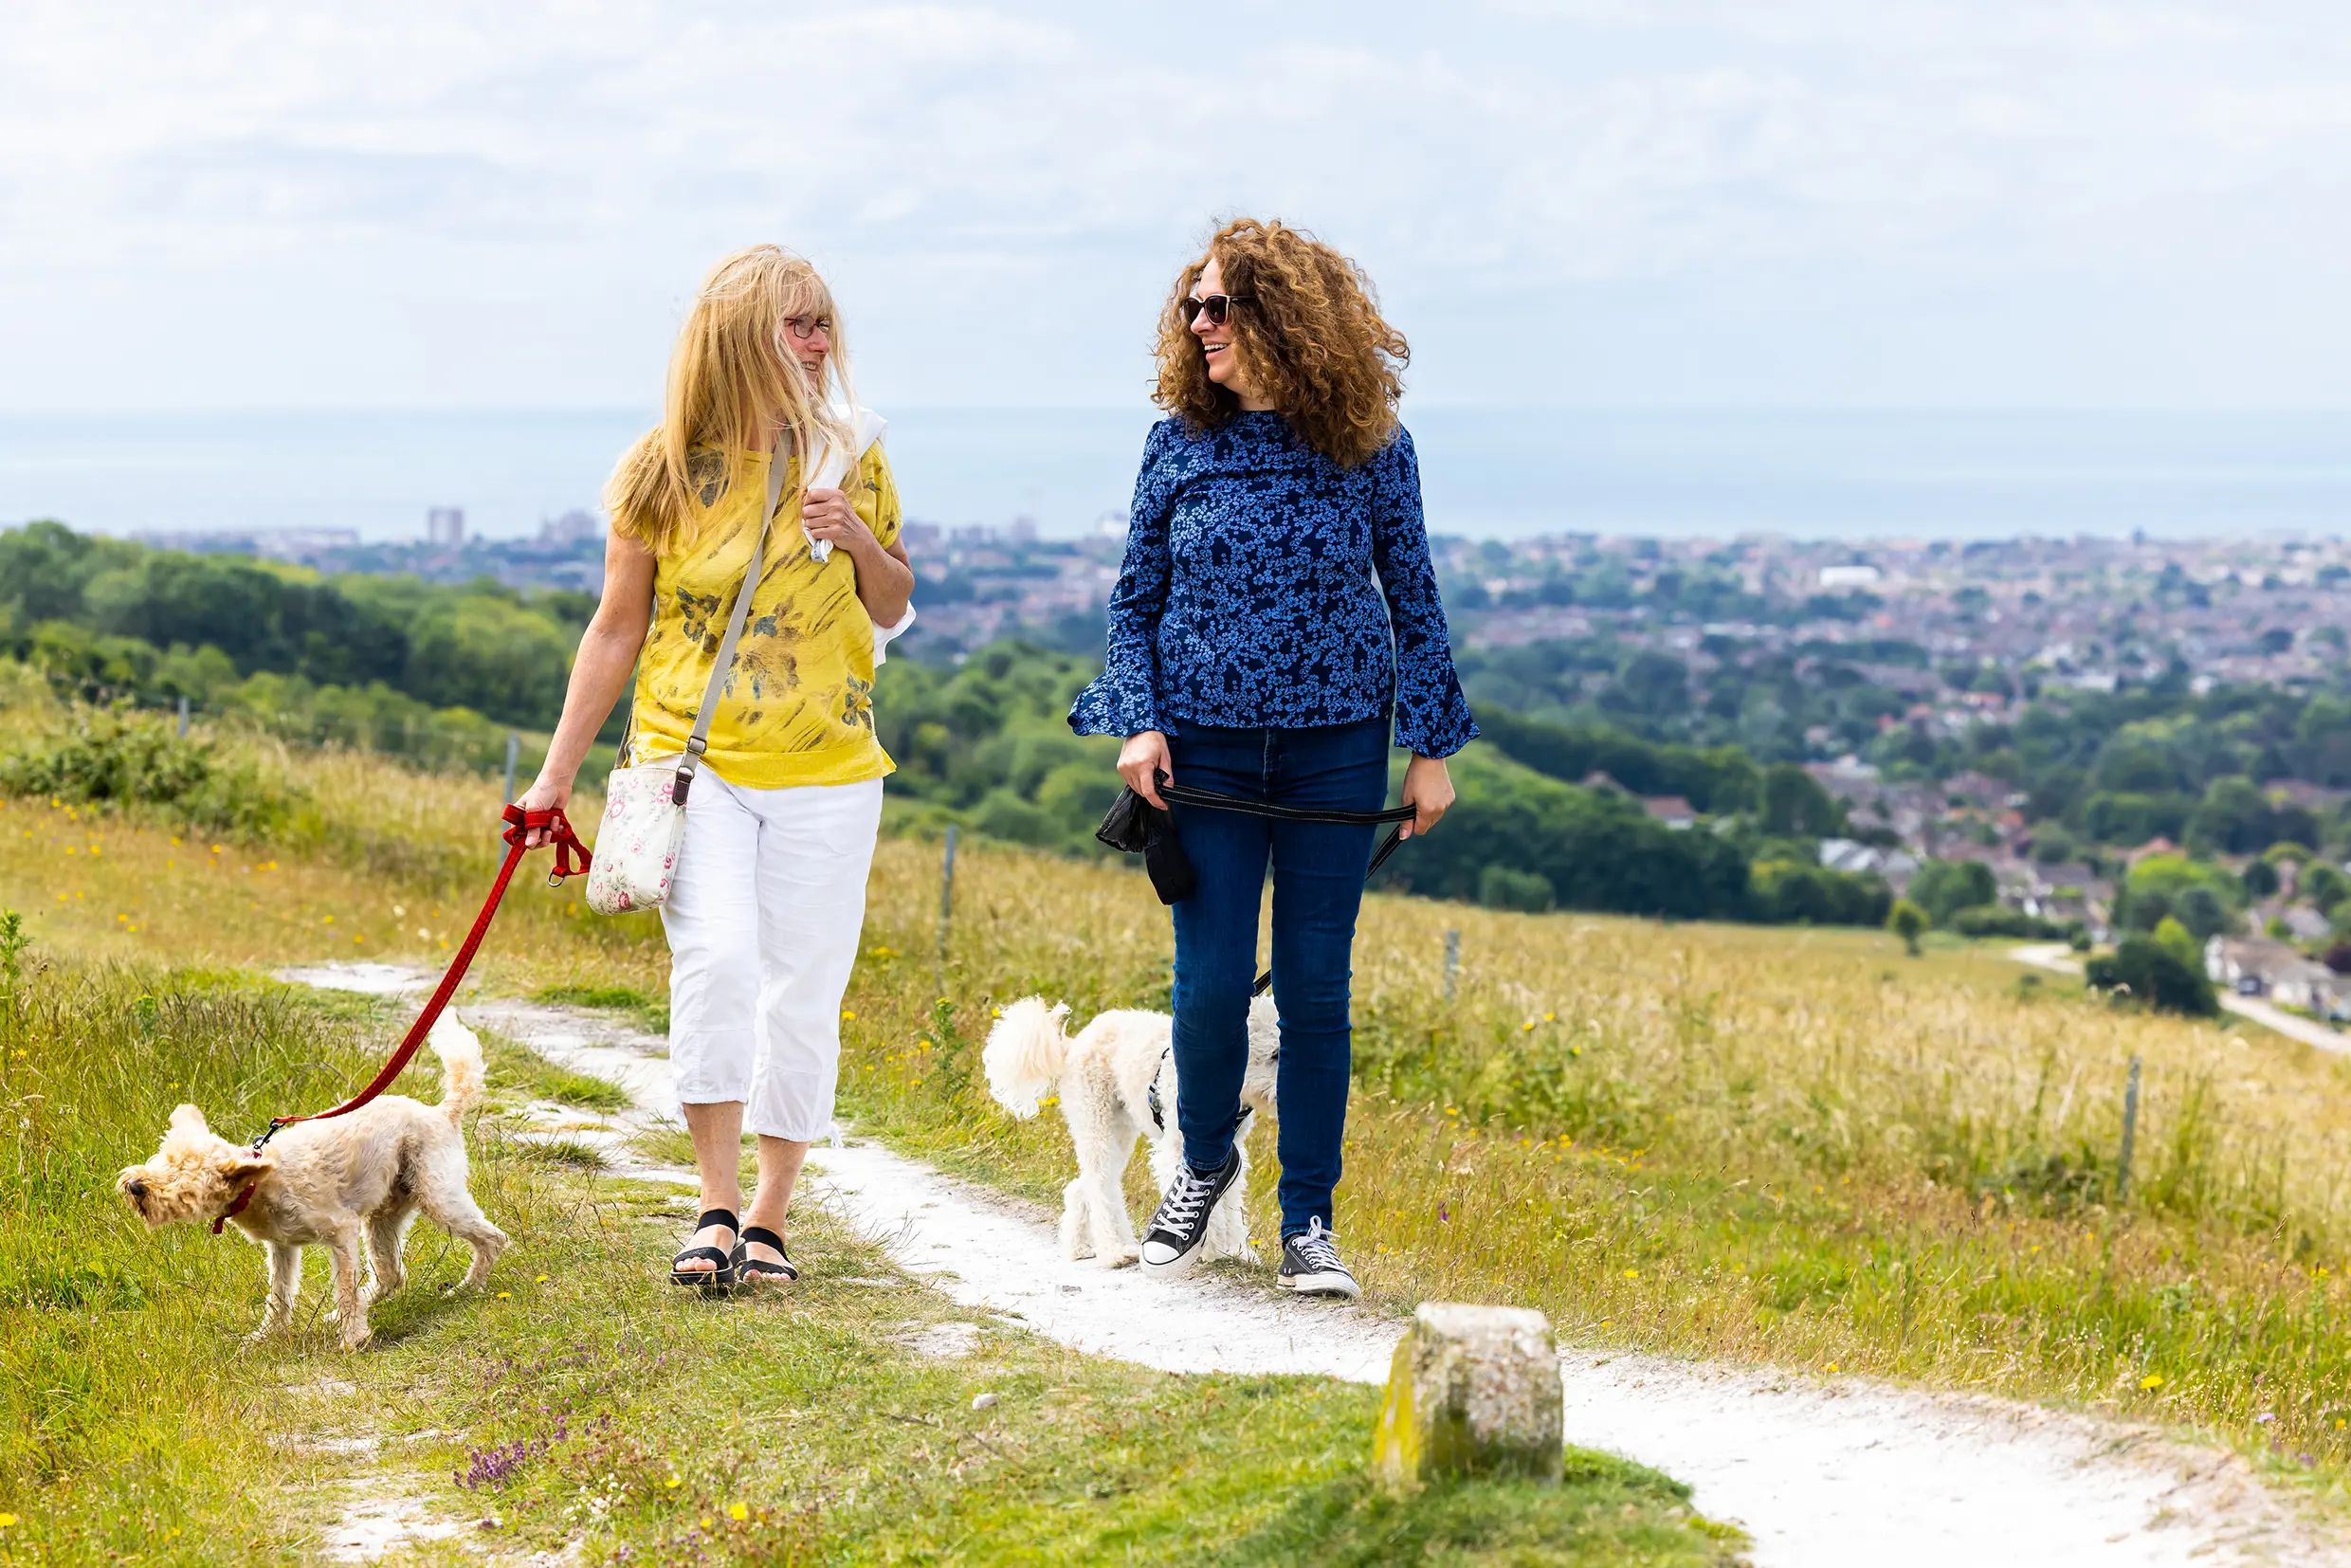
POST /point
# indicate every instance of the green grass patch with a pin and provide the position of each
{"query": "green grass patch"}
(557, 1151)
(583, 1402)
(517, 1069)
(650, 1013)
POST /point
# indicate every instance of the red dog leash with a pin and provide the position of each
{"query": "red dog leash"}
(519, 826)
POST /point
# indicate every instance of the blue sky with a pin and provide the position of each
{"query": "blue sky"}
(1879, 203)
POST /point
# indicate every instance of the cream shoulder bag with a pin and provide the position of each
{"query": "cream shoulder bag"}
(643, 823)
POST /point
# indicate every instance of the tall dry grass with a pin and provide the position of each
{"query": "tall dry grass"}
(1765, 1144)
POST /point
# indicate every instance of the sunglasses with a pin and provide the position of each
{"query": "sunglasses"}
(1218, 307)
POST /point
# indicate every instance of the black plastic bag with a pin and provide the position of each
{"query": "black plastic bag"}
(1134, 826)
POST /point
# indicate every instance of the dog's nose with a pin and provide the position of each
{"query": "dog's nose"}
(137, 1188)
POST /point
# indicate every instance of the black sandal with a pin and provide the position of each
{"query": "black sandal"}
(721, 1275)
(749, 1267)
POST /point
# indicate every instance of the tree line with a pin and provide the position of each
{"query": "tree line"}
(1550, 814)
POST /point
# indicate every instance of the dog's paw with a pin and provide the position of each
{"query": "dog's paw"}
(1122, 1258)
(360, 1339)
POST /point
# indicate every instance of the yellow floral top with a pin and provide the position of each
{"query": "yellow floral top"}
(797, 705)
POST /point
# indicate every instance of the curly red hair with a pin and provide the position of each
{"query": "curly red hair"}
(1310, 332)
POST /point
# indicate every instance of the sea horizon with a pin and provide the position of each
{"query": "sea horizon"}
(1963, 473)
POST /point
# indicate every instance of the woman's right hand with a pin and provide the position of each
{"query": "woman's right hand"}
(1140, 760)
(545, 795)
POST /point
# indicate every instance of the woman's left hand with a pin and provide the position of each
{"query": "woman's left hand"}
(828, 515)
(1429, 790)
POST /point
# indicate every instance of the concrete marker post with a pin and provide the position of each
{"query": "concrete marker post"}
(1452, 965)
(183, 718)
(1472, 1391)
(514, 750)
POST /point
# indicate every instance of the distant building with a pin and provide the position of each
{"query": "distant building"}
(1671, 809)
(1976, 788)
(203, 542)
(576, 526)
(1850, 576)
(2260, 968)
(1111, 525)
(1023, 530)
(300, 544)
(2306, 924)
(1844, 854)
(921, 536)
(444, 525)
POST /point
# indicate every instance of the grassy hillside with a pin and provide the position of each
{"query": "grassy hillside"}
(1792, 1146)
(582, 1402)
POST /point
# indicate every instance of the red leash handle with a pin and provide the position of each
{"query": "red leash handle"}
(557, 827)
(519, 824)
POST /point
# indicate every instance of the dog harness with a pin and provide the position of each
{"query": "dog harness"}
(519, 826)
(1151, 1095)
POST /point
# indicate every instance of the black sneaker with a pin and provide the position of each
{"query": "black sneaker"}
(1172, 1245)
(1310, 1265)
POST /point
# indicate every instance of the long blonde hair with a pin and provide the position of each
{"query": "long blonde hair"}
(732, 365)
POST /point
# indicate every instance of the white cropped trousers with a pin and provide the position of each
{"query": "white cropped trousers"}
(765, 909)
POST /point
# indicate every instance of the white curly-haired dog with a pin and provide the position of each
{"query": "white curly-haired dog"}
(1118, 1083)
(331, 1183)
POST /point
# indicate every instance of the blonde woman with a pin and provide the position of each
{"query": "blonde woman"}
(769, 893)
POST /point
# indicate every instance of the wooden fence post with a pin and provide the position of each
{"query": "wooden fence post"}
(2130, 1131)
(946, 906)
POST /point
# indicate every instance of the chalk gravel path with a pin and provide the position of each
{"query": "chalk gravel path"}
(1836, 1472)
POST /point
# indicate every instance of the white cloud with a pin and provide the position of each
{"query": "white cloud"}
(267, 202)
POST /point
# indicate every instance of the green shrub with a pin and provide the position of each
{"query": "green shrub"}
(1943, 887)
(1005, 815)
(2202, 897)
(1997, 920)
(1799, 893)
(2154, 976)
(1908, 922)
(1500, 888)
(125, 760)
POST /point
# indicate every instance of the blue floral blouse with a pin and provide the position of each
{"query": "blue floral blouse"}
(1246, 597)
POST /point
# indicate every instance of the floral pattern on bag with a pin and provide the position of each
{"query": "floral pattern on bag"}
(636, 848)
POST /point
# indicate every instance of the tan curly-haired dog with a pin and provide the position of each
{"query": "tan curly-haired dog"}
(331, 1183)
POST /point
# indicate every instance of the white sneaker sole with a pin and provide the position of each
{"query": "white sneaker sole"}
(1320, 1284)
(1174, 1269)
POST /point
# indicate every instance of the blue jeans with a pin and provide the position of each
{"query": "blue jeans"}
(1317, 887)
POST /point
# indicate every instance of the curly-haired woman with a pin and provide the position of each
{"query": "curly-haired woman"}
(769, 892)
(1250, 653)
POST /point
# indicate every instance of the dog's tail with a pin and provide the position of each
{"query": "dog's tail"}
(459, 1050)
(1025, 1053)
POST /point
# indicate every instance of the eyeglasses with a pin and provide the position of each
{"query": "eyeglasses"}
(1218, 306)
(806, 327)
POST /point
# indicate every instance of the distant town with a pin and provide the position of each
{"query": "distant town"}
(2089, 613)
(1893, 671)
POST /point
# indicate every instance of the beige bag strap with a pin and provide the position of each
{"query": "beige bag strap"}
(700, 740)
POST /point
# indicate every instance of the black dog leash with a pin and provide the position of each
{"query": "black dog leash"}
(1136, 826)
